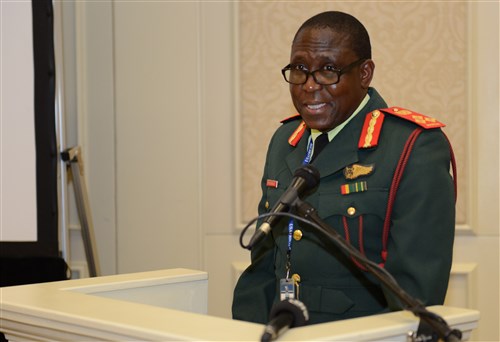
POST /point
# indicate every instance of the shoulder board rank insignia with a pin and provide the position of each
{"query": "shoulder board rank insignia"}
(290, 118)
(417, 118)
(297, 134)
(371, 129)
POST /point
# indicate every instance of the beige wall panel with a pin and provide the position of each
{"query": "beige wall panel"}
(157, 135)
(92, 66)
(218, 117)
(220, 250)
(476, 262)
(462, 289)
(420, 53)
(463, 286)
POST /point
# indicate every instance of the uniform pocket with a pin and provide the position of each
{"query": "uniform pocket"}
(370, 202)
(339, 301)
(321, 299)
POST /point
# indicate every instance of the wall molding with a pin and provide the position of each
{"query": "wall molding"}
(464, 230)
(462, 289)
(239, 223)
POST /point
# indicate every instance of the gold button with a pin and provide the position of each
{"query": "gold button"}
(351, 211)
(296, 278)
(297, 234)
(375, 113)
(267, 205)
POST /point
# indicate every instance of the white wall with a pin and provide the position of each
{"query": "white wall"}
(148, 75)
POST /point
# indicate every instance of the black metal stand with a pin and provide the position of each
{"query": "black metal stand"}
(429, 319)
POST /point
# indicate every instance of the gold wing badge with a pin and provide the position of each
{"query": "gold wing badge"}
(356, 170)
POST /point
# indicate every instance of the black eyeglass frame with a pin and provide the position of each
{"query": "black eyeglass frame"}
(339, 72)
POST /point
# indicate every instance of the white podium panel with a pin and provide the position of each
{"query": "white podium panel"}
(171, 305)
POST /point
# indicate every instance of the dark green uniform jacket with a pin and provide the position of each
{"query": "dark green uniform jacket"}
(419, 243)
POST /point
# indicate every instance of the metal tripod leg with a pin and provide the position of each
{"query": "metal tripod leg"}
(73, 158)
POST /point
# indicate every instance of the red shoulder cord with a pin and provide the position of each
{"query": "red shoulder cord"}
(398, 174)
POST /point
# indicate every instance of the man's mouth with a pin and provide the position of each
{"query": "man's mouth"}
(316, 106)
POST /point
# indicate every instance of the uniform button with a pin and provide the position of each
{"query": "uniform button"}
(296, 278)
(351, 211)
(267, 205)
(297, 234)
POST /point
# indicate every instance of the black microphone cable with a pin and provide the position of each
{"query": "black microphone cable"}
(407, 302)
(359, 257)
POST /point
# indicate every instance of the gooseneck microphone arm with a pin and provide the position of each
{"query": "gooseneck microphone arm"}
(435, 322)
(305, 178)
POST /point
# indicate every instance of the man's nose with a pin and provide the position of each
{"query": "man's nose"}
(311, 84)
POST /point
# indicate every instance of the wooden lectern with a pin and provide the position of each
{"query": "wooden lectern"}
(171, 305)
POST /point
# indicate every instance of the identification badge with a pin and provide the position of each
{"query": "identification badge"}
(287, 289)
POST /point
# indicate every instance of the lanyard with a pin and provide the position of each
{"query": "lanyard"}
(291, 225)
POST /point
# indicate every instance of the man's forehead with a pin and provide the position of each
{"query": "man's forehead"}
(320, 39)
(320, 36)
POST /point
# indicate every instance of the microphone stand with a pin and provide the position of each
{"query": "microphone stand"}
(433, 321)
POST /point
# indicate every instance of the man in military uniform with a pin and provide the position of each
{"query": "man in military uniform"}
(385, 186)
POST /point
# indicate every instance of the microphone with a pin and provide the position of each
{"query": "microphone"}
(285, 315)
(305, 178)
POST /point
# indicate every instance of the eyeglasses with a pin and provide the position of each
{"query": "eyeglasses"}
(327, 75)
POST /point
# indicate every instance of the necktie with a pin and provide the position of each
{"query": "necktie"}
(319, 144)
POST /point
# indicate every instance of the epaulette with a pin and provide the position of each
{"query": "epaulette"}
(299, 131)
(423, 121)
(297, 134)
(291, 118)
(374, 120)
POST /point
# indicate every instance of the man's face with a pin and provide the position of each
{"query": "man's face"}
(323, 107)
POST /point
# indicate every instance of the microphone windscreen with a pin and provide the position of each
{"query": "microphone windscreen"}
(310, 174)
(293, 306)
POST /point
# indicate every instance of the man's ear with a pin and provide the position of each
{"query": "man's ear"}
(366, 70)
